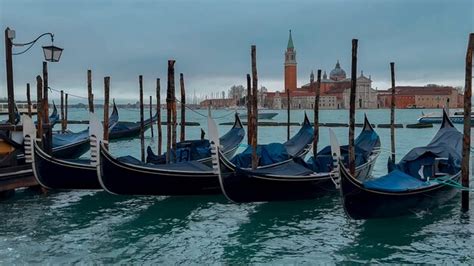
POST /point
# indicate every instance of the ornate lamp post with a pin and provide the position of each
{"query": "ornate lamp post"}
(51, 53)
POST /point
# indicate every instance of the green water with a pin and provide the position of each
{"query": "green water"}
(89, 226)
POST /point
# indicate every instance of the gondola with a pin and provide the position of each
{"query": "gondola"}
(124, 129)
(53, 117)
(421, 180)
(17, 164)
(129, 176)
(199, 150)
(55, 173)
(277, 153)
(296, 179)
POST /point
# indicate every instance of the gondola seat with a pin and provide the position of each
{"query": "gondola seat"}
(291, 169)
(182, 166)
(267, 154)
(397, 181)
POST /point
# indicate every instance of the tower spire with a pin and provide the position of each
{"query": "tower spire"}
(290, 43)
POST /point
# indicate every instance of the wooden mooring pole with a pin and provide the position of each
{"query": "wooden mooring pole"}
(352, 107)
(63, 118)
(48, 145)
(142, 121)
(90, 96)
(158, 112)
(106, 110)
(316, 114)
(288, 110)
(249, 110)
(65, 110)
(28, 98)
(39, 108)
(466, 148)
(183, 108)
(174, 116)
(151, 116)
(392, 112)
(9, 76)
(254, 107)
(169, 103)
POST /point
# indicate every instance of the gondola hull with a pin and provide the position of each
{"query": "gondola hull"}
(245, 186)
(126, 179)
(421, 180)
(61, 174)
(362, 203)
(73, 150)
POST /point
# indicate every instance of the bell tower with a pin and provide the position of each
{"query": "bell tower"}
(290, 66)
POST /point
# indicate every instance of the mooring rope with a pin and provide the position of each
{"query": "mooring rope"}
(191, 109)
(72, 95)
(449, 182)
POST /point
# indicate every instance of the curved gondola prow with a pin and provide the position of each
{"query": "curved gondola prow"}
(35, 148)
(96, 134)
(17, 114)
(301, 143)
(54, 117)
(446, 120)
(237, 122)
(102, 152)
(29, 135)
(306, 120)
(114, 117)
(336, 158)
(367, 125)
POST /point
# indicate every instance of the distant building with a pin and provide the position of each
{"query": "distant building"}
(334, 90)
(299, 100)
(218, 103)
(290, 66)
(429, 96)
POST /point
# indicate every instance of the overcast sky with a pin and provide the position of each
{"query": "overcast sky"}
(210, 40)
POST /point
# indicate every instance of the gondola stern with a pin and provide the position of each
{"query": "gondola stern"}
(238, 122)
(103, 155)
(367, 125)
(446, 120)
(36, 157)
(306, 120)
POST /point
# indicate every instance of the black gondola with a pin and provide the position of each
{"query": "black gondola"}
(124, 129)
(296, 179)
(53, 117)
(129, 176)
(56, 173)
(423, 179)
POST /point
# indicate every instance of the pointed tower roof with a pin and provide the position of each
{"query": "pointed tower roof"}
(290, 42)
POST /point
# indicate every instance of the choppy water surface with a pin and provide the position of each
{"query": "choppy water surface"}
(89, 226)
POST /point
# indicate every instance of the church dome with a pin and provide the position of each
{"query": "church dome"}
(337, 73)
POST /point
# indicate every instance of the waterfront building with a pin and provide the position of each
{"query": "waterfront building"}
(334, 89)
(429, 96)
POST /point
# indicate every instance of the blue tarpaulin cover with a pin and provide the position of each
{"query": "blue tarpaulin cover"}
(62, 139)
(191, 150)
(365, 143)
(267, 154)
(397, 181)
(418, 164)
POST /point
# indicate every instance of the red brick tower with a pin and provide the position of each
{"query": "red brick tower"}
(290, 66)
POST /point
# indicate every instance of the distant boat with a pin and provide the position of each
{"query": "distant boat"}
(261, 115)
(414, 106)
(456, 118)
(22, 107)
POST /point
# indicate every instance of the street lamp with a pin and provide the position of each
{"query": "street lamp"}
(51, 53)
